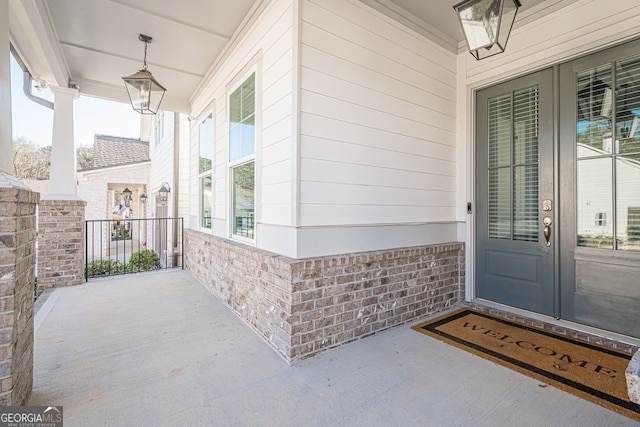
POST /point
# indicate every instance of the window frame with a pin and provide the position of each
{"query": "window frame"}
(208, 113)
(253, 68)
(159, 127)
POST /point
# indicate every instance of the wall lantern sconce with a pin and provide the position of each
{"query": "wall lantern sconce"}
(486, 25)
(143, 198)
(126, 194)
(144, 90)
(164, 192)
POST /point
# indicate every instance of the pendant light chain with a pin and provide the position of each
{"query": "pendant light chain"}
(144, 67)
(145, 93)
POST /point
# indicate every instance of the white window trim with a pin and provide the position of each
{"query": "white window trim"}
(209, 111)
(159, 128)
(254, 66)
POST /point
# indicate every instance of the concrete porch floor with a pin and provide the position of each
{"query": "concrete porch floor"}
(157, 349)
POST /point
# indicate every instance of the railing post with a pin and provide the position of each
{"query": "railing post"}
(182, 241)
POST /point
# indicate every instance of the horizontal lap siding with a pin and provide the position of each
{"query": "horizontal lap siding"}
(271, 35)
(377, 120)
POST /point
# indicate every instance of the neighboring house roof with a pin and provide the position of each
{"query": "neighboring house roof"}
(113, 151)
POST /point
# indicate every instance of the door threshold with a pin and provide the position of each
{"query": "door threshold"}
(589, 334)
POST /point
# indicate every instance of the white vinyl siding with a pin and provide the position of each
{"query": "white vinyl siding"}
(378, 120)
(266, 45)
(162, 158)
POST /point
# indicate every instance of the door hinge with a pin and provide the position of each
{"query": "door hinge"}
(469, 207)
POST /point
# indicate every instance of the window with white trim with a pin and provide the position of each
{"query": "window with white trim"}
(242, 144)
(205, 169)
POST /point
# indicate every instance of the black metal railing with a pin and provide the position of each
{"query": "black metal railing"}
(126, 246)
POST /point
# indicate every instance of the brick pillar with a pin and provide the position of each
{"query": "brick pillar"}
(17, 277)
(60, 243)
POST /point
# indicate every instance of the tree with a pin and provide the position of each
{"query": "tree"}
(85, 157)
(31, 161)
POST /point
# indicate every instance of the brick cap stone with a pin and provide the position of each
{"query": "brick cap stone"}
(633, 378)
(66, 197)
(10, 181)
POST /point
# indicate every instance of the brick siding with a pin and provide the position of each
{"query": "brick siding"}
(17, 269)
(304, 307)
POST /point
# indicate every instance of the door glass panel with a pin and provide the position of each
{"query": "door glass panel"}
(525, 203)
(628, 106)
(525, 176)
(595, 211)
(608, 196)
(628, 202)
(628, 143)
(594, 111)
(525, 123)
(500, 131)
(513, 165)
(500, 203)
(499, 157)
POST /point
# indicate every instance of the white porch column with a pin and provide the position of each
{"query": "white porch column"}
(63, 148)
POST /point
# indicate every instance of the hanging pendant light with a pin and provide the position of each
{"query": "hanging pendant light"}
(486, 25)
(144, 90)
(163, 192)
(126, 195)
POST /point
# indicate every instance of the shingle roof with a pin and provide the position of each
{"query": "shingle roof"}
(113, 151)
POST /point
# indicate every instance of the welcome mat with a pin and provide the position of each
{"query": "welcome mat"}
(589, 371)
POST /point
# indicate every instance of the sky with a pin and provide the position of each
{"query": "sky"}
(92, 116)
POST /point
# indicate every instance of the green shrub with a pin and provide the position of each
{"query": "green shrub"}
(144, 260)
(104, 267)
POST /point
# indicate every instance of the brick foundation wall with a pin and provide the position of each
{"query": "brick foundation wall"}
(304, 307)
(17, 269)
(61, 233)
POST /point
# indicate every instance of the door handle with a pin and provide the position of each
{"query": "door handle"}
(547, 230)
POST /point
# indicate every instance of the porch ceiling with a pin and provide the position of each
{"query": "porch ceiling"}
(95, 42)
